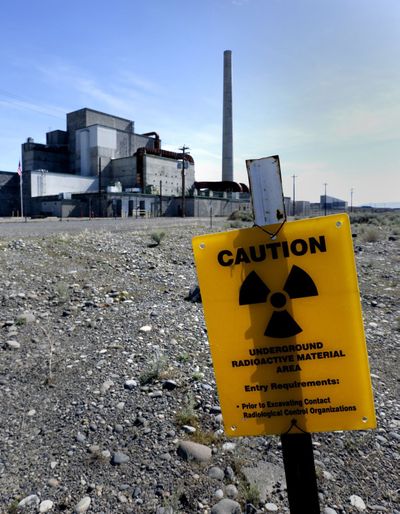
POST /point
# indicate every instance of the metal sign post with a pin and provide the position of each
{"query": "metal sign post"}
(301, 481)
(298, 458)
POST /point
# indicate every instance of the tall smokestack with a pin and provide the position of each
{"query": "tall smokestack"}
(227, 143)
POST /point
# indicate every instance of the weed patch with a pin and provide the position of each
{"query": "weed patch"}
(371, 235)
(154, 372)
(187, 415)
(157, 237)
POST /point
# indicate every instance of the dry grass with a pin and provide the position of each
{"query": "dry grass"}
(371, 235)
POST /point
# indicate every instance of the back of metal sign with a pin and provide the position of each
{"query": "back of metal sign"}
(266, 190)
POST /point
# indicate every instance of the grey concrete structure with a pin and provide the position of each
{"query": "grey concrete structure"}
(95, 139)
(92, 140)
(52, 157)
(227, 123)
(123, 170)
(332, 204)
(216, 206)
(41, 183)
(165, 176)
(123, 205)
(10, 203)
(302, 208)
(101, 152)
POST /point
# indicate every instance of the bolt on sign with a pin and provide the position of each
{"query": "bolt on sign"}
(285, 328)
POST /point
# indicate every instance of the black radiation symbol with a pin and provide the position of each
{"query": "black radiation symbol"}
(299, 284)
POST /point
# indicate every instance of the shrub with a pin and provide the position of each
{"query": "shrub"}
(62, 292)
(154, 371)
(241, 216)
(252, 494)
(236, 224)
(371, 235)
(187, 415)
(204, 437)
(363, 217)
(183, 357)
(157, 237)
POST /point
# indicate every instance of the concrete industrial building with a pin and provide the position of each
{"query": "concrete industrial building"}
(99, 166)
(101, 154)
(300, 208)
(332, 204)
(99, 145)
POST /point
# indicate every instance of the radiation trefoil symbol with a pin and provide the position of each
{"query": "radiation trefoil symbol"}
(299, 284)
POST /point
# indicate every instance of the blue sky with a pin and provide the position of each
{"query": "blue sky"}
(315, 81)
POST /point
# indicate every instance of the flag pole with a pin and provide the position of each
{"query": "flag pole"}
(19, 171)
(22, 200)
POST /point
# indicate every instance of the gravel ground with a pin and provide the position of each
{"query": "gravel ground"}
(108, 400)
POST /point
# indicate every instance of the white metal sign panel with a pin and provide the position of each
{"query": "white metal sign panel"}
(266, 190)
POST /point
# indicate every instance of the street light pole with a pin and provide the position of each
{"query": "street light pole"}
(183, 150)
(325, 184)
(351, 199)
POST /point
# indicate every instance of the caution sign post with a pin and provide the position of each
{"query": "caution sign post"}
(285, 328)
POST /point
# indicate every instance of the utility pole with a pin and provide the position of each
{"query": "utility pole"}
(351, 199)
(294, 195)
(184, 152)
(100, 185)
(325, 184)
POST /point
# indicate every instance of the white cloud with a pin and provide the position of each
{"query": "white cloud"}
(141, 83)
(22, 105)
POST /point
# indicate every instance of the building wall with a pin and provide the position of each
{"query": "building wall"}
(98, 145)
(10, 203)
(47, 184)
(85, 118)
(205, 207)
(158, 169)
(57, 137)
(302, 208)
(288, 205)
(134, 205)
(93, 143)
(332, 203)
(123, 170)
(142, 141)
(38, 156)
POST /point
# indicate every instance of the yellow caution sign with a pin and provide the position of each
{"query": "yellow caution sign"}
(285, 327)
